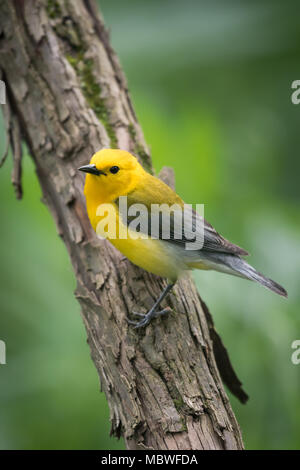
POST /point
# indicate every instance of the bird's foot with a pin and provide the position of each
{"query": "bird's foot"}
(147, 317)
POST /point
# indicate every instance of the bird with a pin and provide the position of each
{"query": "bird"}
(115, 175)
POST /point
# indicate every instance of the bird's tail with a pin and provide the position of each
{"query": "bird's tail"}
(245, 270)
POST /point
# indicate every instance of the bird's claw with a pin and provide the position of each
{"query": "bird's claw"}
(147, 317)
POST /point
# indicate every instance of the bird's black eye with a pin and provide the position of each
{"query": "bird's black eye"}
(114, 169)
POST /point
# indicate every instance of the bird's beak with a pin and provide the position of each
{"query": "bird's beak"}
(91, 169)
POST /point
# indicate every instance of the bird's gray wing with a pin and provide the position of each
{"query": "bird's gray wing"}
(154, 225)
(213, 241)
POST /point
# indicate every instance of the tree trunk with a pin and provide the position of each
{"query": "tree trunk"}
(67, 98)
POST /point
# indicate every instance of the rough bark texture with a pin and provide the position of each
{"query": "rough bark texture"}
(67, 98)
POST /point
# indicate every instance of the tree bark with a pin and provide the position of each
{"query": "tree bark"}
(67, 97)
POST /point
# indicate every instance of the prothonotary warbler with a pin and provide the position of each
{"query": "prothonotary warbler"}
(113, 174)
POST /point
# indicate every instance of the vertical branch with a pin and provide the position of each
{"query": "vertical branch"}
(70, 98)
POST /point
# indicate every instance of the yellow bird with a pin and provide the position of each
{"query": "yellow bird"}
(114, 174)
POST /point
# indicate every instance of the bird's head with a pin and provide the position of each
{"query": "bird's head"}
(111, 173)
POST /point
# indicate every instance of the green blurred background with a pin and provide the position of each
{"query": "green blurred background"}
(211, 83)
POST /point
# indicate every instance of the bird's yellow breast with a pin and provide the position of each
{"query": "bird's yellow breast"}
(155, 256)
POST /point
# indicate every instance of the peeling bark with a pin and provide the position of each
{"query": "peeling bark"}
(68, 97)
